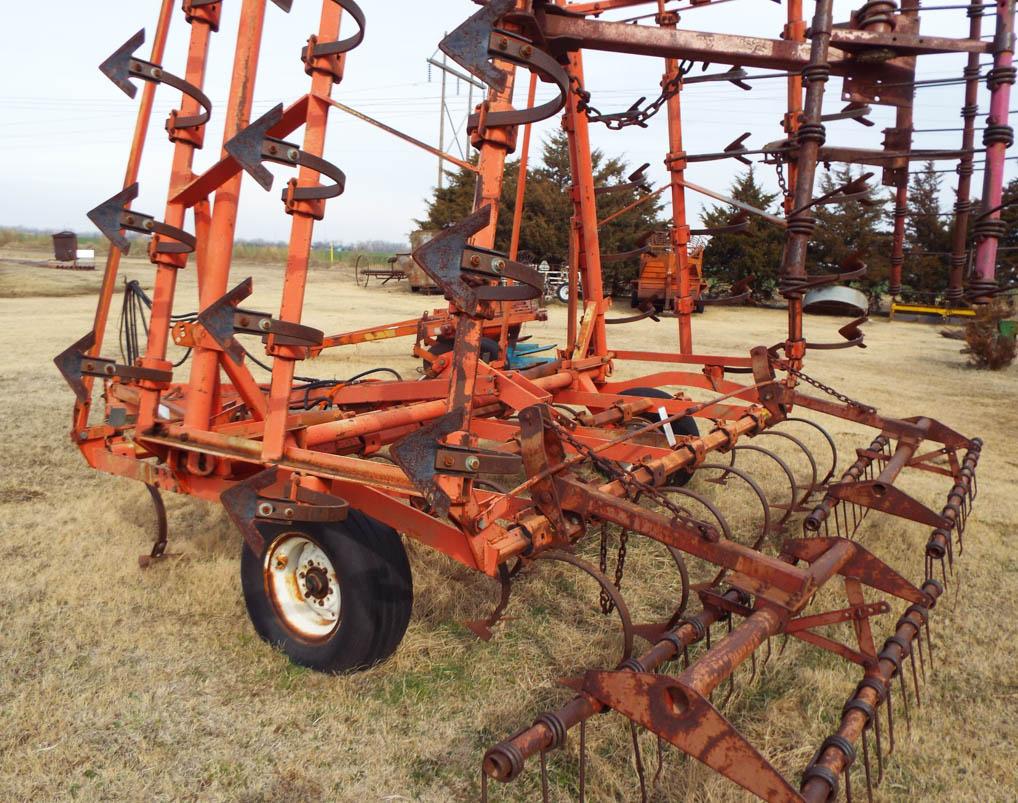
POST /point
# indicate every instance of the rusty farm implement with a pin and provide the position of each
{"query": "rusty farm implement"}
(502, 469)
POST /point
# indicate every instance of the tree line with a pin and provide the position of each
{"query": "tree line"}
(857, 227)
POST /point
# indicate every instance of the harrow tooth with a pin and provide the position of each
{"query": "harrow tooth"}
(158, 551)
(638, 761)
(482, 627)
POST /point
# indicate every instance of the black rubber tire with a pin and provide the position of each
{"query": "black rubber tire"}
(684, 426)
(562, 293)
(634, 300)
(489, 350)
(699, 305)
(376, 590)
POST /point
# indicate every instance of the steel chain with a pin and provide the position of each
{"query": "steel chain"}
(634, 487)
(831, 391)
(634, 115)
(779, 168)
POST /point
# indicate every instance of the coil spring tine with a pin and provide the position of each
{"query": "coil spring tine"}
(904, 702)
(544, 778)
(929, 643)
(848, 781)
(876, 731)
(638, 758)
(915, 678)
(767, 657)
(866, 761)
(891, 717)
(752, 674)
(484, 786)
(582, 779)
(784, 643)
(922, 661)
(660, 761)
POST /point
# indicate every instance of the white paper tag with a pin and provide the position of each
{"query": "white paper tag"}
(669, 432)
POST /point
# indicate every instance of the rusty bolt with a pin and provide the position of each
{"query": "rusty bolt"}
(129, 220)
(472, 463)
(82, 436)
(244, 320)
(293, 154)
(447, 461)
(526, 50)
(157, 73)
(475, 261)
(265, 324)
(264, 509)
(497, 265)
(289, 512)
(150, 224)
(503, 44)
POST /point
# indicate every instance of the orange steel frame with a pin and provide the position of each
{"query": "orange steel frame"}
(208, 435)
(201, 451)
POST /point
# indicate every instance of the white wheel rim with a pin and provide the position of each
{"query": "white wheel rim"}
(301, 582)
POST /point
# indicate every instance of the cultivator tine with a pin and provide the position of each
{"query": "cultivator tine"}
(482, 627)
(158, 550)
(75, 363)
(638, 761)
(252, 145)
(112, 216)
(124, 65)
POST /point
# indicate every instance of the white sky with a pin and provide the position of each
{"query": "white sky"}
(66, 129)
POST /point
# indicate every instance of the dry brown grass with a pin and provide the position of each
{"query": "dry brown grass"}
(118, 684)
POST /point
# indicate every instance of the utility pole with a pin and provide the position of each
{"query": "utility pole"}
(443, 109)
(441, 122)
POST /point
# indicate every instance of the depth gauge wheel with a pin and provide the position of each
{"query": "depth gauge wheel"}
(333, 597)
(684, 426)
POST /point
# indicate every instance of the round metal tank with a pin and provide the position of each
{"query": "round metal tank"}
(836, 301)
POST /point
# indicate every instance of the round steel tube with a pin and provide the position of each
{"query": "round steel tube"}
(854, 721)
(505, 760)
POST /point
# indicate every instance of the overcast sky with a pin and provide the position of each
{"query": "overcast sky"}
(66, 128)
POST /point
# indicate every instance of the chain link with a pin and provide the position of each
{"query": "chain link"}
(634, 487)
(831, 391)
(635, 114)
(607, 604)
(779, 168)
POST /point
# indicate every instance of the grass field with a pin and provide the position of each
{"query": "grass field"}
(118, 684)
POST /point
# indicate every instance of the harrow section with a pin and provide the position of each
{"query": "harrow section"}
(500, 466)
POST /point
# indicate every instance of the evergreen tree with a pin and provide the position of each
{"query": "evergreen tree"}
(756, 250)
(927, 236)
(1007, 258)
(850, 228)
(547, 210)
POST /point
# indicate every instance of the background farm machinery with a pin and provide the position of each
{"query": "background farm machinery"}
(501, 468)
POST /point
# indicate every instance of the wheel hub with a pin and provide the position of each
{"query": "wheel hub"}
(301, 581)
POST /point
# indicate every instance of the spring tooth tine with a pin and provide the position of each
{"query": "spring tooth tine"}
(929, 643)
(484, 786)
(922, 661)
(660, 761)
(904, 702)
(848, 783)
(915, 678)
(582, 780)
(638, 758)
(866, 762)
(880, 753)
(544, 777)
(890, 717)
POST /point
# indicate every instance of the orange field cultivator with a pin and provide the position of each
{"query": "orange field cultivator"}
(502, 468)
